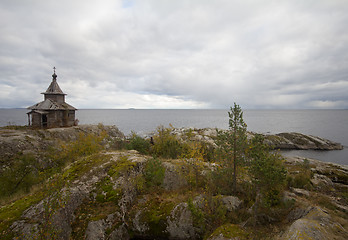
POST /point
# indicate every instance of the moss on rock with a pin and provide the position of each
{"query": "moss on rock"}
(229, 231)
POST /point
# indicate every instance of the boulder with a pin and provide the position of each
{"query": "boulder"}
(321, 181)
(180, 223)
(231, 203)
(173, 180)
(300, 192)
(314, 224)
(97, 229)
(119, 233)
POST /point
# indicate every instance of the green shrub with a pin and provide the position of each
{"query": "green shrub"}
(301, 180)
(67, 152)
(84, 145)
(272, 197)
(155, 213)
(220, 180)
(197, 214)
(154, 173)
(194, 177)
(208, 151)
(267, 171)
(300, 177)
(21, 175)
(210, 213)
(119, 144)
(166, 145)
(138, 143)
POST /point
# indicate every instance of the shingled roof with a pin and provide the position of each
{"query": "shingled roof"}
(48, 104)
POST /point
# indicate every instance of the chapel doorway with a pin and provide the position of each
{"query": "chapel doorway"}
(44, 120)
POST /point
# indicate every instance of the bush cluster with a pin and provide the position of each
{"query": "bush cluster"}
(154, 173)
(164, 144)
(138, 143)
(84, 145)
(167, 145)
(253, 158)
(20, 176)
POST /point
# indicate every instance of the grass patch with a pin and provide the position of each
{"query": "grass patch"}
(324, 201)
(106, 192)
(231, 231)
(121, 166)
(299, 175)
(83, 165)
(13, 211)
(15, 127)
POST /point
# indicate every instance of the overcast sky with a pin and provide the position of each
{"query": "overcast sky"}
(176, 53)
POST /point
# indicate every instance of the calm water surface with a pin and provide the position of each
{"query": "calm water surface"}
(330, 124)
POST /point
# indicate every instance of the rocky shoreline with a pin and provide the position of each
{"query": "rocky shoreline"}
(281, 141)
(28, 140)
(104, 195)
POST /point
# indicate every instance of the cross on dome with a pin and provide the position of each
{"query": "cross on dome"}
(54, 76)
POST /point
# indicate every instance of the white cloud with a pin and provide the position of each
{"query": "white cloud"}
(328, 104)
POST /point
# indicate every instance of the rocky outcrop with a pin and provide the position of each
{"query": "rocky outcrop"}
(314, 223)
(318, 200)
(300, 141)
(98, 230)
(55, 214)
(105, 203)
(323, 172)
(283, 141)
(35, 141)
(105, 196)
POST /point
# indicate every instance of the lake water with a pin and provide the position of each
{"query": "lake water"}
(330, 124)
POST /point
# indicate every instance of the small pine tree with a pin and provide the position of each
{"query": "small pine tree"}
(232, 143)
(267, 172)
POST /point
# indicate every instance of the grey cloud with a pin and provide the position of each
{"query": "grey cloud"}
(261, 54)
